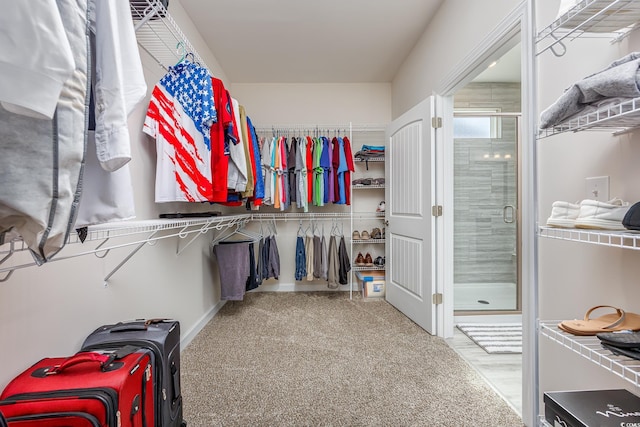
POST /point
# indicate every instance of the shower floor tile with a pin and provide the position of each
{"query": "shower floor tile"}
(484, 296)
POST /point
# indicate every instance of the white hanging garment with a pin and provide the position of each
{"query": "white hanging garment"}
(35, 59)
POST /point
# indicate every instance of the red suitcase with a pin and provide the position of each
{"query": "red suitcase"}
(89, 389)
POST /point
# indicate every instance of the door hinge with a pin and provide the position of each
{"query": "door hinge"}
(436, 122)
(436, 210)
(437, 298)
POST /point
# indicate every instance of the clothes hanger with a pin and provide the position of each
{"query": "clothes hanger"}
(250, 235)
(182, 51)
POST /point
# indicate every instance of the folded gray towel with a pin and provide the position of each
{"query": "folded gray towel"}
(619, 80)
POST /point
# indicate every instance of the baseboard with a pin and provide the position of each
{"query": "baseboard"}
(200, 324)
(299, 287)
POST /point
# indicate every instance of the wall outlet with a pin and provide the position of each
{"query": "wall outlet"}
(598, 188)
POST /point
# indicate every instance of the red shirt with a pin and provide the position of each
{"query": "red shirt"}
(220, 156)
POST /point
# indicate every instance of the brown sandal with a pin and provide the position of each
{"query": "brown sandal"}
(618, 321)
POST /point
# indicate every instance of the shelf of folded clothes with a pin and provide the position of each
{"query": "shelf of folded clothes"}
(590, 347)
(626, 239)
(369, 159)
(606, 18)
(617, 117)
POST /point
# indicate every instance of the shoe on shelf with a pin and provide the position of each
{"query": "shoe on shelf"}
(367, 260)
(602, 215)
(365, 235)
(376, 233)
(379, 261)
(360, 259)
(381, 207)
(563, 215)
(357, 181)
(355, 235)
(377, 181)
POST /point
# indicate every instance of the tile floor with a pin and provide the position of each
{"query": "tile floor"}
(502, 371)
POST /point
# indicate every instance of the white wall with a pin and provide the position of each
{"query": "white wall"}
(452, 34)
(48, 311)
(328, 103)
(574, 277)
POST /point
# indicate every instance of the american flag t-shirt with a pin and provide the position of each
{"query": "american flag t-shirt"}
(179, 117)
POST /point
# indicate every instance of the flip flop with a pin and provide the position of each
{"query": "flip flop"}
(617, 321)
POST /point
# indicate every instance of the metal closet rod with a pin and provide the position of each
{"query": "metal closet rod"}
(343, 127)
(301, 215)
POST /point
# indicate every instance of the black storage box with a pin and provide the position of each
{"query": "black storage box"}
(592, 408)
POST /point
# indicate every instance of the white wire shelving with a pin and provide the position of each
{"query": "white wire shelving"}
(618, 239)
(619, 117)
(589, 347)
(159, 35)
(613, 19)
(142, 233)
(367, 187)
(368, 241)
(370, 160)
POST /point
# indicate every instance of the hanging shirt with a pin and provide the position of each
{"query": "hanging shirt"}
(342, 168)
(350, 168)
(237, 174)
(274, 174)
(325, 164)
(301, 172)
(331, 175)
(267, 171)
(248, 155)
(318, 174)
(259, 178)
(222, 135)
(309, 154)
(277, 167)
(118, 88)
(119, 83)
(282, 176)
(292, 168)
(335, 165)
(180, 121)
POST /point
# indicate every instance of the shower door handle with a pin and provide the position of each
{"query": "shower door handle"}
(508, 214)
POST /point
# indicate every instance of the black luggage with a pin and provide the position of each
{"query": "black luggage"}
(162, 337)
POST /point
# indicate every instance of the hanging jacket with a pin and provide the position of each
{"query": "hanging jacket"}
(345, 264)
(41, 160)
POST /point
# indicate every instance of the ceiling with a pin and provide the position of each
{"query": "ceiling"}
(507, 69)
(298, 41)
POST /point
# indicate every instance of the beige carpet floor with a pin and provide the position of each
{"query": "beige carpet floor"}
(320, 359)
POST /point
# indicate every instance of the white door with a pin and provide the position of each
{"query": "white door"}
(410, 236)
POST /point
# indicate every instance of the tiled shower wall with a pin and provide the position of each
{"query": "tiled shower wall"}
(484, 245)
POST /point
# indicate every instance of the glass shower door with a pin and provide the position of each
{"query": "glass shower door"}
(485, 212)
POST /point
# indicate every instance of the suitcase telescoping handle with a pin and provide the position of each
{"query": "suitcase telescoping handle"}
(139, 325)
